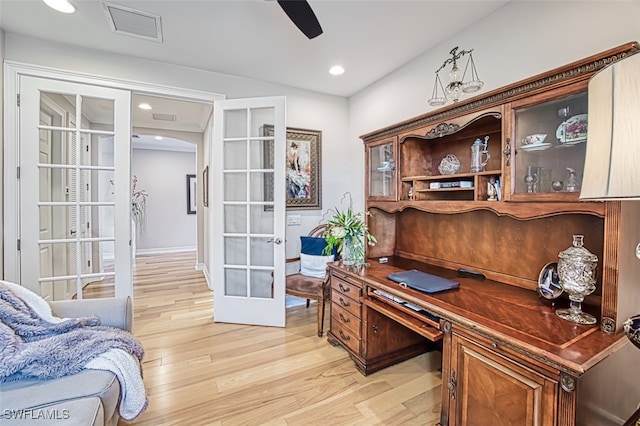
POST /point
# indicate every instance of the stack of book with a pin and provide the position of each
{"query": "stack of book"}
(454, 184)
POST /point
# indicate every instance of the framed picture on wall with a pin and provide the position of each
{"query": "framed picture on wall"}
(192, 201)
(205, 187)
(303, 174)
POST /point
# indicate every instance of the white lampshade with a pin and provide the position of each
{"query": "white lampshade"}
(612, 162)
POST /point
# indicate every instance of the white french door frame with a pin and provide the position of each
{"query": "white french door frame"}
(13, 71)
(231, 305)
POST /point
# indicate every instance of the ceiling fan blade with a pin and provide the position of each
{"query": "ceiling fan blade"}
(301, 14)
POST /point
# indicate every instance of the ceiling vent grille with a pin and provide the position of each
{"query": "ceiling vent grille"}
(131, 22)
(164, 117)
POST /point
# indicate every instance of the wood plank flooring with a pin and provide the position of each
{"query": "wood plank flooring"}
(198, 372)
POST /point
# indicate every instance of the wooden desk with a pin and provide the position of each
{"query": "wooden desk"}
(506, 355)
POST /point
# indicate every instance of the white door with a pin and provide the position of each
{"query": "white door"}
(92, 112)
(248, 211)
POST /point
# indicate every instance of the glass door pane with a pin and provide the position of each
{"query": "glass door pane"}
(551, 144)
(382, 171)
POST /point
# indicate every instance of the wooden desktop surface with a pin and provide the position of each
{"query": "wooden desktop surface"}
(510, 315)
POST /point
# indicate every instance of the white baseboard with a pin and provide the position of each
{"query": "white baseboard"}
(200, 266)
(165, 250)
(205, 271)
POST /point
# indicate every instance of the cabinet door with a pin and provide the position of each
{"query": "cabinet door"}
(382, 182)
(548, 141)
(488, 389)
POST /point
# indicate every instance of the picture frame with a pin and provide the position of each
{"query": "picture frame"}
(205, 187)
(192, 204)
(303, 172)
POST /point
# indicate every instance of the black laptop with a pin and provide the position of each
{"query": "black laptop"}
(422, 281)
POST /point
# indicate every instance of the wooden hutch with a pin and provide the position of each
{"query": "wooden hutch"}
(506, 357)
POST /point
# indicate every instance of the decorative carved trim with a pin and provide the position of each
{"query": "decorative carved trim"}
(444, 129)
(446, 327)
(567, 382)
(608, 325)
(503, 96)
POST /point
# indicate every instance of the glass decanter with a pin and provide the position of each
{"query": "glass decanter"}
(577, 276)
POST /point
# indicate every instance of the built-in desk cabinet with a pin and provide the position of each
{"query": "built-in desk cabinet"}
(450, 221)
(373, 340)
(482, 386)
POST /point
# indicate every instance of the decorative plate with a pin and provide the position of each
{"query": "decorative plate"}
(573, 130)
(549, 282)
(535, 147)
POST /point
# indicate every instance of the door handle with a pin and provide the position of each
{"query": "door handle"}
(275, 240)
(72, 232)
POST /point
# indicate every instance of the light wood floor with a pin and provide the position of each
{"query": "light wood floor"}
(198, 372)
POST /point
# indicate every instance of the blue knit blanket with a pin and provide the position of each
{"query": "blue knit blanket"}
(32, 347)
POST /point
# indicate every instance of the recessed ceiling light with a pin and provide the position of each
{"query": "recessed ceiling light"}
(144, 106)
(60, 5)
(158, 138)
(336, 70)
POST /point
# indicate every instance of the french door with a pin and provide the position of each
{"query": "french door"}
(73, 205)
(248, 211)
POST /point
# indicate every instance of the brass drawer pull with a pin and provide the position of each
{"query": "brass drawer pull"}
(343, 288)
(344, 319)
(343, 303)
(344, 336)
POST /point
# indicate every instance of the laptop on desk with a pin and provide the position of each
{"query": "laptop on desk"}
(421, 281)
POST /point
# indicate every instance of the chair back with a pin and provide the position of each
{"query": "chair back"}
(318, 231)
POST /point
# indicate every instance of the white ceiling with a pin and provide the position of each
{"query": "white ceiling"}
(255, 39)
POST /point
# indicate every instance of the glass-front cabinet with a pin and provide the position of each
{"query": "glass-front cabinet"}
(549, 138)
(382, 165)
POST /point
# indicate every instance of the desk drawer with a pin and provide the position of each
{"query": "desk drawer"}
(346, 278)
(349, 289)
(345, 318)
(346, 303)
(346, 338)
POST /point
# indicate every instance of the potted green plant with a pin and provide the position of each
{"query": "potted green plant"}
(347, 231)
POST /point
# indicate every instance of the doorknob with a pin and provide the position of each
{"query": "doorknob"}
(72, 232)
(275, 240)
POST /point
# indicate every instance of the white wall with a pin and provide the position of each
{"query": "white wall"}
(163, 175)
(305, 109)
(522, 39)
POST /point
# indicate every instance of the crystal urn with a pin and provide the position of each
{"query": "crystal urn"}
(577, 276)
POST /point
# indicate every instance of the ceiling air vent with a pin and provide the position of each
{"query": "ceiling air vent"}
(164, 117)
(131, 22)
